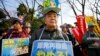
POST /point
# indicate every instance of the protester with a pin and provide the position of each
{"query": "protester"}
(28, 28)
(76, 47)
(49, 30)
(17, 31)
(91, 45)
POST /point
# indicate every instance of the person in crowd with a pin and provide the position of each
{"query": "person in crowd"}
(18, 31)
(21, 17)
(2, 36)
(50, 30)
(91, 42)
(76, 47)
(28, 28)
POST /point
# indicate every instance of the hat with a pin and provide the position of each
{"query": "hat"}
(55, 9)
(50, 5)
(64, 25)
(16, 20)
(91, 25)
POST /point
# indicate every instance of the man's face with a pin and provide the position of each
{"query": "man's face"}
(51, 19)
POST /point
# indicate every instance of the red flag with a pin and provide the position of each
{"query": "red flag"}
(75, 32)
(81, 25)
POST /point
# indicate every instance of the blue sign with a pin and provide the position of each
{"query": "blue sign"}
(14, 47)
(52, 48)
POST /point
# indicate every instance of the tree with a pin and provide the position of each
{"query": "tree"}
(2, 14)
(4, 8)
(72, 4)
(95, 8)
(22, 8)
(29, 15)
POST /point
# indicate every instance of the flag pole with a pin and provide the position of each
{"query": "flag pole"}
(61, 15)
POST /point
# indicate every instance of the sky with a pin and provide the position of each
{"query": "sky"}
(66, 14)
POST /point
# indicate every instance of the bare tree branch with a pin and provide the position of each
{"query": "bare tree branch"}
(33, 8)
(27, 4)
(79, 2)
(5, 8)
(92, 10)
(72, 7)
(83, 7)
(76, 6)
(38, 2)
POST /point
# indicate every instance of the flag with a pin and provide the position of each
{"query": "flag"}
(81, 24)
(81, 27)
(75, 32)
(92, 20)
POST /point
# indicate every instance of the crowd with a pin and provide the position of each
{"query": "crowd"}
(49, 31)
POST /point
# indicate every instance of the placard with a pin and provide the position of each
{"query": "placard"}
(52, 48)
(14, 47)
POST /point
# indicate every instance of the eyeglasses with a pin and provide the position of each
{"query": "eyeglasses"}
(27, 27)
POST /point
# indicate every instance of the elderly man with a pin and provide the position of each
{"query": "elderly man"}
(49, 31)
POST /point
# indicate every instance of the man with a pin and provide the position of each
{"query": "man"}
(90, 42)
(76, 47)
(49, 31)
(17, 31)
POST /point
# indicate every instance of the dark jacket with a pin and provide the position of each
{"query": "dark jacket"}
(46, 35)
(86, 42)
(91, 49)
(76, 47)
(13, 34)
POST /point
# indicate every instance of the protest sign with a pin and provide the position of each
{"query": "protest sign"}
(52, 48)
(14, 47)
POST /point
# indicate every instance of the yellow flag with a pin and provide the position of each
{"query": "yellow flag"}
(92, 20)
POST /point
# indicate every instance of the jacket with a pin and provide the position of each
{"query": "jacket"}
(87, 41)
(45, 34)
(13, 34)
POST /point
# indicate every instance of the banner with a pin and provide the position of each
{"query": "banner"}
(52, 48)
(92, 20)
(14, 47)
